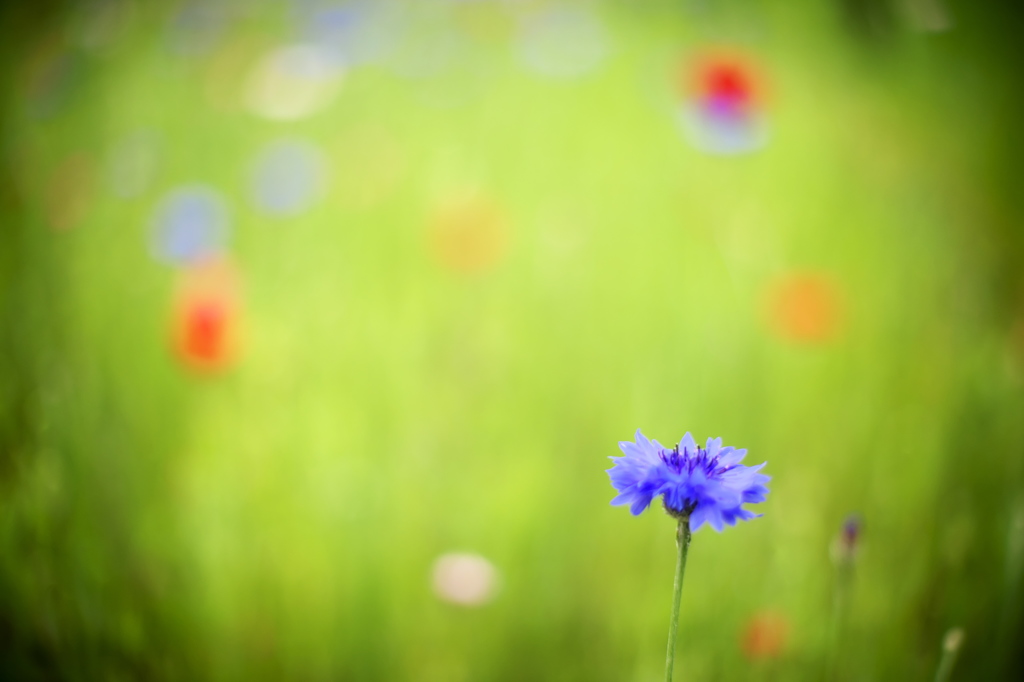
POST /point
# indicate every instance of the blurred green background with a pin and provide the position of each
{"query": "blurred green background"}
(514, 256)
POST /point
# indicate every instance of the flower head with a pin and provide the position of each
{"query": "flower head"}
(708, 484)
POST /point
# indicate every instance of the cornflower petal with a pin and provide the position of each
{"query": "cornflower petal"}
(697, 517)
(730, 456)
(687, 444)
(707, 484)
(641, 501)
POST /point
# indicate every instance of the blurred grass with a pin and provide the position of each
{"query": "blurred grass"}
(280, 520)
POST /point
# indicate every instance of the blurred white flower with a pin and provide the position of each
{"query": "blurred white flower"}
(464, 579)
(293, 82)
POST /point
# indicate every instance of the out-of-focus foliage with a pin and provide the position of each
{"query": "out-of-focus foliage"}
(318, 322)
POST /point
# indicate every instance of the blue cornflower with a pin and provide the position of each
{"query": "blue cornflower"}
(707, 485)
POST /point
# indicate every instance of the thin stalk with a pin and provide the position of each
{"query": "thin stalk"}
(683, 543)
(950, 648)
(838, 620)
(945, 666)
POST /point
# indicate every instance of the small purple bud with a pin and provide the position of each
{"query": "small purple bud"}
(846, 545)
(852, 528)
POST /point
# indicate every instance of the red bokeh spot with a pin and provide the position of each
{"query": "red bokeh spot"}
(205, 330)
(727, 81)
(724, 79)
(765, 635)
(805, 308)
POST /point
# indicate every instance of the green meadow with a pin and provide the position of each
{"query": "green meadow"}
(501, 274)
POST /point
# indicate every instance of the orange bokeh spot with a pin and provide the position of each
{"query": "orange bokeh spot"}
(69, 192)
(486, 22)
(205, 333)
(41, 70)
(805, 308)
(765, 635)
(227, 69)
(468, 235)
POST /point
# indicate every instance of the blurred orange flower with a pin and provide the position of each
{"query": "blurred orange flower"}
(765, 635)
(468, 235)
(805, 307)
(69, 191)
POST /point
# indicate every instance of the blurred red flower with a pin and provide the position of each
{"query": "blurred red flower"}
(205, 333)
(724, 79)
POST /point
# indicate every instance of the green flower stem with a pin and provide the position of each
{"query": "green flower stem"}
(840, 597)
(945, 666)
(950, 648)
(683, 542)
